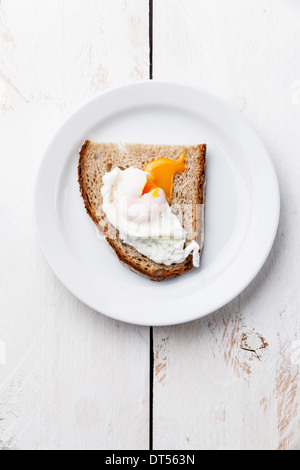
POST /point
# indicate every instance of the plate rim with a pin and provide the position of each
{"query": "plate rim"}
(230, 109)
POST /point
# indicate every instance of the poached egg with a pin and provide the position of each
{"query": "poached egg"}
(136, 203)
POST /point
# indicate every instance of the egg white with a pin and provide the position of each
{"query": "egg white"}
(145, 222)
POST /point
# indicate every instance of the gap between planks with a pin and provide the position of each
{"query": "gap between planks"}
(151, 352)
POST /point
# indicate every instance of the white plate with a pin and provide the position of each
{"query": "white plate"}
(242, 204)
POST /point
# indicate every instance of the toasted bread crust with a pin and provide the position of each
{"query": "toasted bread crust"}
(135, 260)
(82, 179)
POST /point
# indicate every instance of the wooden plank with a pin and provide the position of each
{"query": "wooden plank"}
(231, 380)
(71, 378)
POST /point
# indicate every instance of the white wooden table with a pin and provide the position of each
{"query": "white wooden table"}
(71, 378)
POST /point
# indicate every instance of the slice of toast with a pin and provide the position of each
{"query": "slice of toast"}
(189, 191)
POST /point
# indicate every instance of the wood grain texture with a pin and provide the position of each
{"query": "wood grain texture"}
(72, 379)
(231, 380)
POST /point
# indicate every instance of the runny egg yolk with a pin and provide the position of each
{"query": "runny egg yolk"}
(155, 192)
(162, 173)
